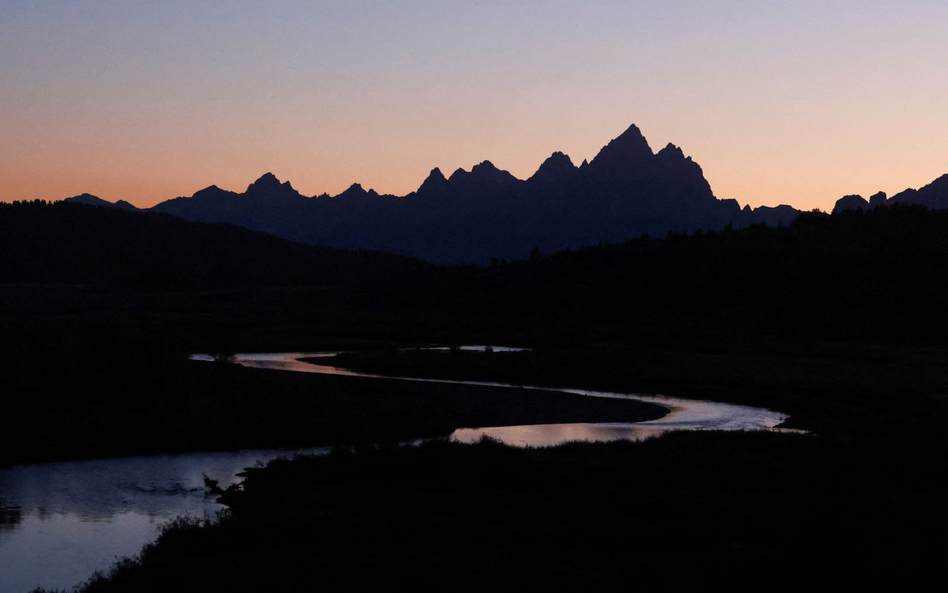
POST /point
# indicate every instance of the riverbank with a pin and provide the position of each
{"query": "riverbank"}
(684, 508)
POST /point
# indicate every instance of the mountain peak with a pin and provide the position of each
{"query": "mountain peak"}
(86, 198)
(627, 149)
(354, 191)
(673, 162)
(852, 202)
(434, 182)
(90, 200)
(556, 169)
(487, 172)
(212, 191)
(482, 175)
(484, 168)
(265, 182)
(558, 160)
(269, 186)
(672, 151)
(631, 134)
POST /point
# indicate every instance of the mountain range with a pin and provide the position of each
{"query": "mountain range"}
(474, 216)
(933, 196)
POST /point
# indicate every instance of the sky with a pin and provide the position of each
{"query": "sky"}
(781, 102)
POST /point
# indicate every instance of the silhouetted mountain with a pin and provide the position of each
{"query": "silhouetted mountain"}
(91, 200)
(269, 186)
(554, 170)
(473, 216)
(435, 183)
(933, 196)
(877, 200)
(851, 203)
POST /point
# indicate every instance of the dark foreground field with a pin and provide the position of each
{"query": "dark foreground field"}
(684, 509)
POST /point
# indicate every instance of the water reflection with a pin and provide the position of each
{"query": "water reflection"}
(546, 435)
(59, 522)
(474, 348)
(683, 415)
(10, 517)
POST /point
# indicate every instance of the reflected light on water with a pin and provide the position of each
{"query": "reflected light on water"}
(547, 435)
(59, 522)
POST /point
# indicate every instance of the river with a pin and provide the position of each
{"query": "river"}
(60, 522)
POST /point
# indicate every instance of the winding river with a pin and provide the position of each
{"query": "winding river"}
(60, 522)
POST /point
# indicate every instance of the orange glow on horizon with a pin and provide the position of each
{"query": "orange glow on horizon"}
(779, 103)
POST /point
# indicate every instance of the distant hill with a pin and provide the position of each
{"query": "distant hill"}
(474, 216)
(72, 243)
(90, 200)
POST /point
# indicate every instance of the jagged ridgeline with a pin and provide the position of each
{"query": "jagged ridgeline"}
(933, 196)
(473, 216)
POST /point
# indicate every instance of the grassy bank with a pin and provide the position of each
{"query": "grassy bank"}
(685, 508)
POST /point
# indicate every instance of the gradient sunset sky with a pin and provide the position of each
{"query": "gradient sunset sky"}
(781, 102)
